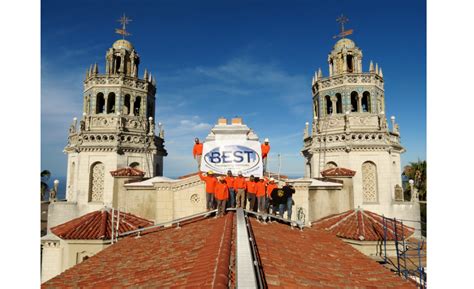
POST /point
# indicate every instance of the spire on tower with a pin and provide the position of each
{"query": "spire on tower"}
(96, 69)
(145, 74)
(320, 73)
(376, 68)
(315, 76)
(380, 72)
(342, 20)
(371, 66)
(124, 21)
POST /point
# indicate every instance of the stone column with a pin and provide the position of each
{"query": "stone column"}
(334, 104)
(359, 103)
(330, 69)
(106, 98)
(132, 106)
(344, 67)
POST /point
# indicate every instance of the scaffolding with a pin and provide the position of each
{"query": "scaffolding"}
(410, 254)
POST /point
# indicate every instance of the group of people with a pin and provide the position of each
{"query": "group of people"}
(254, 193)
(198, 146)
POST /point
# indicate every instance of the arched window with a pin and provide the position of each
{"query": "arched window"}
(126, 104)
(328, 104)
(366, 102)
(350, 63)
(111, 103)
(118, 61)
(339, 103)
(369, 182)
(99, 103)
(136, 105)
(354, 101)
(96, 182)
(135, 165)
(330, 165)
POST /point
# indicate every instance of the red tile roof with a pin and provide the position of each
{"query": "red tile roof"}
(97, 225)
(362, 225)
(195, 255)
(127, 172)
(338, 172)
(313, 258)
(200, 252)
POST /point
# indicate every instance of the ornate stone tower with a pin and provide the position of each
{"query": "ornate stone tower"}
(117, 128)
(350, 130)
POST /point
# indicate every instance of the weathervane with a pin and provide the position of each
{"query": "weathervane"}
(124, 20)
(342, 20)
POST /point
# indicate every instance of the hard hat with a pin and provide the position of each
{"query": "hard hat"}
(210, 172)
(272, 179)
(266, 140)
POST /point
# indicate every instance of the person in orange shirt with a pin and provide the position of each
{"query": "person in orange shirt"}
(221, 195)
(260, 193)
(197, 152)
(271, 185)
(251, 190)
(265, 150)
(240, 185)
(229, 179)
(210, 181)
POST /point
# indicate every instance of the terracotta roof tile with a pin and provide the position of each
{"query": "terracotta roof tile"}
(127, 172)
(195, 255)
(201, 254)
(338, 172)
(97, 225)
(314, 258)
(361, 225)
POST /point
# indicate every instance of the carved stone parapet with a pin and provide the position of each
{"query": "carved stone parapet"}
(348, 78)
(121, 80)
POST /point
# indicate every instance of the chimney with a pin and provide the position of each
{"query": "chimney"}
(222, 121)
(236, 121)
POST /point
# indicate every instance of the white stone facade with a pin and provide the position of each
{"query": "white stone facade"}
(350, 130)
(116, 130)
(59, 255)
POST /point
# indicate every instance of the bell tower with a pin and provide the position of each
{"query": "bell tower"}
(117, 128)
(350, 130)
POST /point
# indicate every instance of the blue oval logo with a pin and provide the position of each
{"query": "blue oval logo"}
(235, 156)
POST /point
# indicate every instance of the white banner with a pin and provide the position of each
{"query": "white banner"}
(237, 155)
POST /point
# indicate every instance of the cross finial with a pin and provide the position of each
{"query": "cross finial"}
(342, 20)
(124, 21)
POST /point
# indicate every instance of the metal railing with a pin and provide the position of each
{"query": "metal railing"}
(171, 222)
(406, 252)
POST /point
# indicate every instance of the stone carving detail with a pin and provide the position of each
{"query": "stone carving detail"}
(195, 199)
(97, 183)
(113, 81)
(369, 182)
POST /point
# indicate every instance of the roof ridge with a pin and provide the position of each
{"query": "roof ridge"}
(330, 217)
(341, 220)
(219, 251)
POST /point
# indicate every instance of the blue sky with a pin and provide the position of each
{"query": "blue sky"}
(253, 59)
